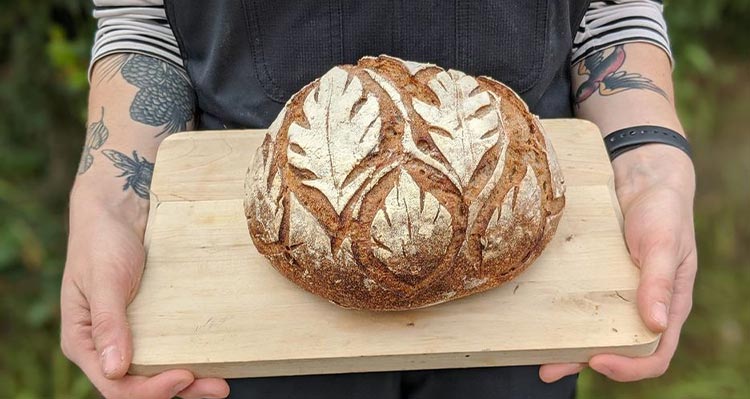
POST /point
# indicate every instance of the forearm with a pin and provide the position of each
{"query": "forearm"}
(618, 88)
(642, 95)
(134, 103)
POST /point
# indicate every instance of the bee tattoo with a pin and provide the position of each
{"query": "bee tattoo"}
(137, 171)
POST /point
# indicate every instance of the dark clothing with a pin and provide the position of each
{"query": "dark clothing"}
(246, 58)
(475, 383)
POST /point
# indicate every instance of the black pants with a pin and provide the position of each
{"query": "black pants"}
(475, 383)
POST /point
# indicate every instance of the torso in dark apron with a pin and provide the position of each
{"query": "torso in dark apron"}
(246, 58)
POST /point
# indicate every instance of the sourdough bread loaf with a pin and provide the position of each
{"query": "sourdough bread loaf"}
(391, 185)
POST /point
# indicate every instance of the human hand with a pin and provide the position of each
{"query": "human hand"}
(655, 187)
(102, 273)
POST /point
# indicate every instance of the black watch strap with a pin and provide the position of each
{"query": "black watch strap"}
(633, 137)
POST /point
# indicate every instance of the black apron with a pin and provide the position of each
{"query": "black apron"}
(245, 58)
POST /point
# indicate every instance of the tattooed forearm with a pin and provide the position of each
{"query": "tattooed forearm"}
(604, 75)
(164, 99)
(96, 135)
(137, 171)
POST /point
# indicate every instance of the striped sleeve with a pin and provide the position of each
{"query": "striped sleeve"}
(133, 26)
(609, 23)
(141, 26)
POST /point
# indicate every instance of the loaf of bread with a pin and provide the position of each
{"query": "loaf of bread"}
(392, 185)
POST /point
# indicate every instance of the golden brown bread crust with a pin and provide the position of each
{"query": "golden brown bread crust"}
(390, 185)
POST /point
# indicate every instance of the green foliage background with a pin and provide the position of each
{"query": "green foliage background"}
(44, 50)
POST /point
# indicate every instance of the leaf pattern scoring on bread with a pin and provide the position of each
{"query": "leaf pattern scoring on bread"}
(391, 185)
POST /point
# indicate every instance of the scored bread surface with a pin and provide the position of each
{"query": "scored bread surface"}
(391, 185)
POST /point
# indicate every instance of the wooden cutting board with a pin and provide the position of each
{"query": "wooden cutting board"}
(210, 303)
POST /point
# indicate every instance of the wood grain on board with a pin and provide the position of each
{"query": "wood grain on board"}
(210, 303)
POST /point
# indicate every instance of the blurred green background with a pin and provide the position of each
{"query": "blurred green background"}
(44, 51)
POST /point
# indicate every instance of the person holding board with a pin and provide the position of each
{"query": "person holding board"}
(160, 67)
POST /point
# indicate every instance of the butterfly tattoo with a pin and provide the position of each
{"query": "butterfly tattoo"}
(606, 78)
(137, 171)
(165, 97)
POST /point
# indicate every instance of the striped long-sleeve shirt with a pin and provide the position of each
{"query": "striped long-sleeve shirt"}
(141, 26)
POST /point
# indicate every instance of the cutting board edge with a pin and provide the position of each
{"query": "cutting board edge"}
(389, 362)
(273, 368)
